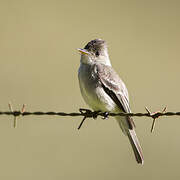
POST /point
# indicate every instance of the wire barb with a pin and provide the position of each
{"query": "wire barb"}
(155, 115)
(86, 113)
(16, 113)
(84, 118)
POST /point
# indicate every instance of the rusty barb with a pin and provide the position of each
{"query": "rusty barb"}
(16, 113)
(86, 113)
(155, 115)
(93, 114)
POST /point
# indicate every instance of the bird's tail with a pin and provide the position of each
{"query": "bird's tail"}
(135, 146)
(133, 140)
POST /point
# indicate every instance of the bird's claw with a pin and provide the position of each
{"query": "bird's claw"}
(105, 115)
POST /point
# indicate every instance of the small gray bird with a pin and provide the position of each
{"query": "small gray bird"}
(103, 90)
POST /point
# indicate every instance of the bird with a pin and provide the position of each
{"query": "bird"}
(103, 90)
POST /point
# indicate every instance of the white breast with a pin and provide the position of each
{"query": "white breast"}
(91, 90)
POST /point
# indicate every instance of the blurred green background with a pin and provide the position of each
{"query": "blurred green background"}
(38, 67)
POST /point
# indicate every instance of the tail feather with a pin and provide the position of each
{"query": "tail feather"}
(132, 138)
(135, 146)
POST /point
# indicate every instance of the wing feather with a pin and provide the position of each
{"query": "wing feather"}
(116, 89)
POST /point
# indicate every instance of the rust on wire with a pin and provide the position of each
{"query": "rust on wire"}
(155, 115)
(15, 113)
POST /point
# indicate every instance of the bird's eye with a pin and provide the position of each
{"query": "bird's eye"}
(97, 53)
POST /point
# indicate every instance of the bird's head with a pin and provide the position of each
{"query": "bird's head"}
(95, 52)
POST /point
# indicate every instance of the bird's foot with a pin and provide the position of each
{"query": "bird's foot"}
(105, 115)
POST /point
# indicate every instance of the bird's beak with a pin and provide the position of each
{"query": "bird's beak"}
(83, 51)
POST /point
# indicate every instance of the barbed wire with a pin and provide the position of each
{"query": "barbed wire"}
(86, 113)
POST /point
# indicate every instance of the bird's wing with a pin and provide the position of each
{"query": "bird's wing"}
(115, 88)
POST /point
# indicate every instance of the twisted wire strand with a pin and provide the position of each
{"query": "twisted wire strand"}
(87, 113)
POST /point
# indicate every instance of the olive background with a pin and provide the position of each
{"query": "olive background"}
(39, 64)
